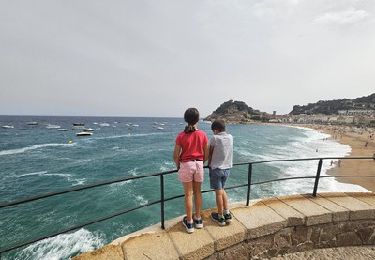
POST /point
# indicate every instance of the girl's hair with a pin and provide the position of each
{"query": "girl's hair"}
(191, 117)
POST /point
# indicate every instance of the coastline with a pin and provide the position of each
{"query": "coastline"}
(356, 139)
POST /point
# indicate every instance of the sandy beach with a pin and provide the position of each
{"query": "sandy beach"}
(362, 144)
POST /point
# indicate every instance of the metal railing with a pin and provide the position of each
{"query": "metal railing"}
(162, 200)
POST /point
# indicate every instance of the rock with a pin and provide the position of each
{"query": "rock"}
(236, 112)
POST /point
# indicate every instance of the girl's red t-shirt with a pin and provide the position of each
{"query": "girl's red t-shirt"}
(192, 145)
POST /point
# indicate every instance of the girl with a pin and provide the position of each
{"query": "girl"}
(190, 152)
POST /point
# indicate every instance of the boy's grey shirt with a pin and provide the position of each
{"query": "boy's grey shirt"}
(222, 156)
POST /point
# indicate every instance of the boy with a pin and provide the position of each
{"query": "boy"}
(220, 161)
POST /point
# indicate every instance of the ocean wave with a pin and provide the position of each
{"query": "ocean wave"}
(314, 145)
(33, 174)
(62, 246)
(32, 147)
(166, 166)
(141, 200)
(126, 136)
(69, 177)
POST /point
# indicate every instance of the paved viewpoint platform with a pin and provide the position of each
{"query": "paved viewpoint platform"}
(265, 229)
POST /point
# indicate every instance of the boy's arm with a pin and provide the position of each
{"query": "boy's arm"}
(211, 150)
(176, 155)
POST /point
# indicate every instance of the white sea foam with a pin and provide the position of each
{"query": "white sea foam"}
(129, 135)
(141, 199)
(315, 145)
(32, 147)
(45, 173)
(33, 174)
(62, 246)
(69, 177)
(133, 172)
(166, 166)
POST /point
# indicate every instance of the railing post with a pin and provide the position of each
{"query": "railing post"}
(317, 177)
(162, 201)
(249, 173)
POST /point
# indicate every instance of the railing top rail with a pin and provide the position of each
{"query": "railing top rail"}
(81, 187)
(122, 179)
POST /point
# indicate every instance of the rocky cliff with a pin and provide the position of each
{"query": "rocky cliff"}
(235, 112)
(330, 107)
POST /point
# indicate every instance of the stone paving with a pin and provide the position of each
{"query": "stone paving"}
(267, 228)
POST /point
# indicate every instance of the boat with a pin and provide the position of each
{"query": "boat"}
(88, 130)
(104, 124)
(160, 128)
(8, 126)
(49, 126)
(32, 123)
(78, 126)
(84, 133)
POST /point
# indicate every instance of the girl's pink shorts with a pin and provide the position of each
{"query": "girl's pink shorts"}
(191, 171)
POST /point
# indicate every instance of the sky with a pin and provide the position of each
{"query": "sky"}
(157, 58)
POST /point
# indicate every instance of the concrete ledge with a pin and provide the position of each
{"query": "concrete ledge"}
(267, 228)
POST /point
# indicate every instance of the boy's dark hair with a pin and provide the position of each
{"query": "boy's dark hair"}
(218, 125)
(191, 117)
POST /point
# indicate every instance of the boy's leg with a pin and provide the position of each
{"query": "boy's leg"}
(219, 201)
(197, 198)
(188, 189)
(225, 200)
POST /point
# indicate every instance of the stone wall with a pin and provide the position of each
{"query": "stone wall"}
(302, 238)
(266, 228)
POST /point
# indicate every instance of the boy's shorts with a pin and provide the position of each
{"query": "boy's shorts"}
(191, 171)
(218, 177)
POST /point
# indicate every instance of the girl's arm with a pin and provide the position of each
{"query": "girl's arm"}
(205, 152)
(176, 155)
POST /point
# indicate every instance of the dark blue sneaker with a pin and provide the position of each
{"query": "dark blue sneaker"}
(189, 226)
(228, 217)
(198, 223)
(220, 220)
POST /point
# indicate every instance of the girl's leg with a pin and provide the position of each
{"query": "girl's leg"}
(188, 189)
(197, 198)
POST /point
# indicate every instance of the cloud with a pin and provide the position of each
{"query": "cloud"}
(349, 16)
(274, 8)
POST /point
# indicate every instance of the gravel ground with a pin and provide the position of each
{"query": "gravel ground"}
(342, 253)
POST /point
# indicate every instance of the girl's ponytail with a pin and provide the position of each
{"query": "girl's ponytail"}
(189, 129)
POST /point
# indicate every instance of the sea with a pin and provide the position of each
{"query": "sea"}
(48, 156)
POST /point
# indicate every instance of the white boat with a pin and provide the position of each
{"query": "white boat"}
(104, 124)
(84, 133)
(78, 127)
(49, 126)
(88, 130)
(160, 128)
(8, 126)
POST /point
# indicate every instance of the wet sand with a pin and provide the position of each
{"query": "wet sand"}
(357, 139)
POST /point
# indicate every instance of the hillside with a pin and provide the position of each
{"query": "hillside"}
(235, 112)
(330, 107)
